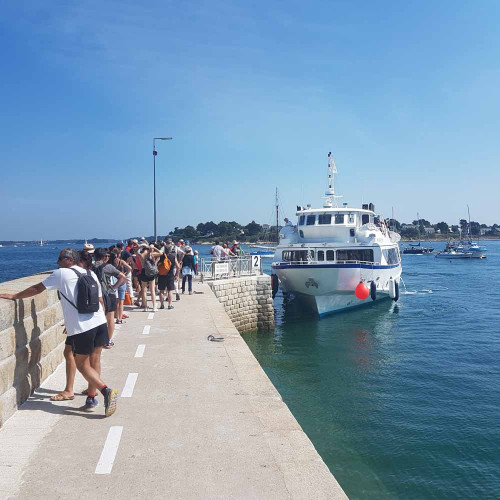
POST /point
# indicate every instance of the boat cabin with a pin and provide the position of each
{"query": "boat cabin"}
(336, 224)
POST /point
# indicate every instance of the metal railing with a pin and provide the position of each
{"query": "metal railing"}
(234, 267)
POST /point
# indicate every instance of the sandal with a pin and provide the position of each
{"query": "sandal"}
(61, 397)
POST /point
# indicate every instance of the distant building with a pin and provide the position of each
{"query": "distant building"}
(266, 227)
(408, 226)
(429, 230)
(485, 230)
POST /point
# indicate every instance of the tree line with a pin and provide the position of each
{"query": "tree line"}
(226, 231)
(474, 228)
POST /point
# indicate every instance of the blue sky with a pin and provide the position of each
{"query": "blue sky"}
(255, 94)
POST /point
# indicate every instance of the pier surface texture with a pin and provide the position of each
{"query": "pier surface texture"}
(196, 419)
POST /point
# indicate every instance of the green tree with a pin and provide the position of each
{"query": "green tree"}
(253, 228)
(442, 226)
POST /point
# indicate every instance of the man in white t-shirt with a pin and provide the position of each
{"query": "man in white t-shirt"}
(87, 333)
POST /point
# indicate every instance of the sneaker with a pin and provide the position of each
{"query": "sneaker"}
(170, 307)
(190, 293)
(155, 309)
(162, 307)
(90, 404)
(182, 292)
(145, 309)
(177, 296)
(110, 397)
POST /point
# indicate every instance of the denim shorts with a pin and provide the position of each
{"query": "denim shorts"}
(121, 291)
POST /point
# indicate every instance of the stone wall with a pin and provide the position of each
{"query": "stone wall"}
(31, 342)
(247, 300)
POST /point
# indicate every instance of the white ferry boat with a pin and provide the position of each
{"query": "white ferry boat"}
(337, 258)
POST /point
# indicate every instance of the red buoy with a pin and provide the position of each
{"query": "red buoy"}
(362, 291)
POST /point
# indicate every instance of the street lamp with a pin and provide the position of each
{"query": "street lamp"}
(154, 173)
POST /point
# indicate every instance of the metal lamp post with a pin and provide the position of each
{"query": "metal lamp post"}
(154, 174)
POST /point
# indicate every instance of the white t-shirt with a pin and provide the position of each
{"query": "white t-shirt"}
(64, 280)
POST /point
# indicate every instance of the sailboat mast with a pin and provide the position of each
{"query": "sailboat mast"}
(277, 218)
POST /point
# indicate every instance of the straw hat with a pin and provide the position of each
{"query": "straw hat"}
(89, 247)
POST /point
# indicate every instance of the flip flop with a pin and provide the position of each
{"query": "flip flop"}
(61, 397)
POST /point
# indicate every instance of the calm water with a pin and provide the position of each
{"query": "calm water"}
(401, 400)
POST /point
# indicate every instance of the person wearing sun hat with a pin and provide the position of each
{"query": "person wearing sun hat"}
(89, 247)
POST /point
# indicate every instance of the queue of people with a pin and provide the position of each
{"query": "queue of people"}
(93, 285)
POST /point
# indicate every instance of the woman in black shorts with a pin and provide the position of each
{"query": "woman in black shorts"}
(149, 256)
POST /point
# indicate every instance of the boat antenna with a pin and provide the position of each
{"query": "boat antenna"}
(331, 197)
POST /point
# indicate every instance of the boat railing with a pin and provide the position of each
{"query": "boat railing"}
(234, 267)
(316, 262)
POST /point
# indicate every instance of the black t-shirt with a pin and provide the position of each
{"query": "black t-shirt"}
(125, 255)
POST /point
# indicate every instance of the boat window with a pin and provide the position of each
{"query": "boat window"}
(365, 219)
(339, 218)
(321, 255)
(302, 218)
(330, 255)
(351, 218)
(300, 255)
(355, 254)
(391, 256)
(310, 220)
(301, 233)
(325, 219)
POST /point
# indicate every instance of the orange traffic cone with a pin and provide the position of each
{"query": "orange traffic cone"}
(127, 300)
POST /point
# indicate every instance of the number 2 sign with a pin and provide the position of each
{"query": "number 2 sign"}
(255, 262)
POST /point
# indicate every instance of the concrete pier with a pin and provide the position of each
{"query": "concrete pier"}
(196, 419)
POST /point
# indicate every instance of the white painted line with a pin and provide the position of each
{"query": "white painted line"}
(146, 330)
(108, 455)
(128, 390)
(140, 351)
(151, 315)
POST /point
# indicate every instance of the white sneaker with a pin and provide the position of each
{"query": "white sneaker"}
(145, 309)
(155, 309)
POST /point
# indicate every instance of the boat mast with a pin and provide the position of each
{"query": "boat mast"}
(277, 218)
(469, 232)
(330, 196)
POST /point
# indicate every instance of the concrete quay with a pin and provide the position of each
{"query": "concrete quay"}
(195, 420)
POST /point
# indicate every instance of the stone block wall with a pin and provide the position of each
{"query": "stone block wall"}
(31, 342)
(247, 300)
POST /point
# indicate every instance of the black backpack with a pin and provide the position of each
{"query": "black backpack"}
(150, 268)
(87, 293)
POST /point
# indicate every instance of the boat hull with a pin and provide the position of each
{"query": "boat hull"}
(328, 289)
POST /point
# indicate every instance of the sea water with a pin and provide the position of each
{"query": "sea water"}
(401, 400)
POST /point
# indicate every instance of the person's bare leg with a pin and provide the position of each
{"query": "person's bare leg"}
(169, 297)
(162, 298)
(119, 309)
(144, 296)
(70, 374)
(152, 287)
(89, 373)
(111, 324)
(95, 363)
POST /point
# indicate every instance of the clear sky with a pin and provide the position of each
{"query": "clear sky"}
(406, 95)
